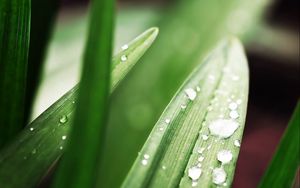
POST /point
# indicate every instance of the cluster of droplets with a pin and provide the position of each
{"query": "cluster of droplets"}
(145, 159)
(124, 57)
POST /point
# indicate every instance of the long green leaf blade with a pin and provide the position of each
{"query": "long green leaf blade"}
(14, 46)
(25, 160)
(173, 145)
(80, 163)
(285, 163)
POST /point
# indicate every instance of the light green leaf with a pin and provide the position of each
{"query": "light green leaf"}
(14, 46)
(35, 149)
(285, 163)
(206, 116)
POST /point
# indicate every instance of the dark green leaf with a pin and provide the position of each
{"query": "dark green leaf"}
(285, 163)
(14, 46)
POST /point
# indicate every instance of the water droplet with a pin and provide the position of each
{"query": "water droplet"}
(164, 167)
(237, 143)
(232, 106)
(73, 102)
(123, 58)
(224, 156)
(199, 165)
(234, 114)
(31, 129)
(124, 47)
(223, 128)
(239, 101)
(194, 172)
(146, 156)
(204, 137)
(194, 184)
(200, 150)
(211, 77)
(167, 120)
(218, 176)
(161, 128)
(201, 158)
(198, 89)
(64, 137)
(225, 184)
(144, 162)
(33, 151)
(63, 119)
(190, 93)
(183, 106)
(61, 148)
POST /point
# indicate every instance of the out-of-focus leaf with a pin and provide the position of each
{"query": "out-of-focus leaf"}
(285, 163)
(204, 118)
(14, 46)
(24, 161)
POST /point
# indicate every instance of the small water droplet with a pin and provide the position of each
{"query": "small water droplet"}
(225, 184)
(146, 156)
(25, 157)
(144, 162)
(200, 150)
(61, 148)
(164, 167)
(224, 156)
(219, 176)
(199, 165)
(237, 143)
(201, 158)
(31, 129)
(233, 106)
(123, 58)
(204, 137)
(183, 106)
(194, 172)
(198, 89)
(73, 102)
(161, 128)
(234, 114)
(63, 119)
(168, 120)
(64, 137)
(124, 47)
(223, 128)
(191, 93)
(211, 77)
(239, 101)
(194, 184)
(33, 151)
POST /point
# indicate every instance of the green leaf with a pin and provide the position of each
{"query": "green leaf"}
(14, 45)
(206, 116)
(187, 32)
(42, 20)
(37, 147)
(81, 160)
(285, 163)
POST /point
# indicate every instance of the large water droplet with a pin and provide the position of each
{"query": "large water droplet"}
(194, 172)
(223, 128)
(191, 93)
(63, 119)
(224, 156)
(218, 176)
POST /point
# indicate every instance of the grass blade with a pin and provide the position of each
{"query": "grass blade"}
(43, 16)
(81, 160)
(285, 163)
(173, 145)
(20, 162)
(14, 46)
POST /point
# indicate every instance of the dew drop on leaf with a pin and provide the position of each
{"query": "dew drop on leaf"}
(191, 93)
(233, 106)
(64, 137)
(223, 128)
(33, 151)
(201, 158)
(124, 47)
(218, 176)
(234, 114)
(63, 119)
(123, 58)
(224, 156)
(237, 143)
(167, 120)
(31, 129)
(61, 148)
(194, 172)
(146, 156)
(204, 137)
(144, 162)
